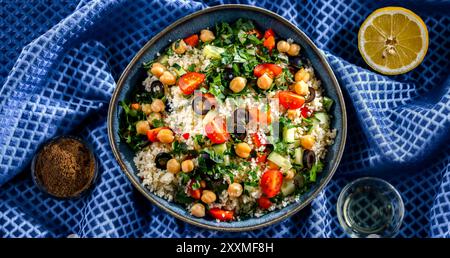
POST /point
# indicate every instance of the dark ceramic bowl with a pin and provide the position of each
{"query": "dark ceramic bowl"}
(86, 189)
(133, 75)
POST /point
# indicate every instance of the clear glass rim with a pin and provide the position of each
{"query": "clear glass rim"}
(401, 207)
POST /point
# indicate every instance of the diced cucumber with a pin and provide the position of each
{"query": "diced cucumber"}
(327, 103)
(226, 160)
(315, 124)
(249, 188)
(281, 161)
(164, 59)
(212, 51)
(288, 187)
(293, 145)
(323, 117)
(179, 70)
(209, 117)
(298, 156)
(220, 149)
(289, 134)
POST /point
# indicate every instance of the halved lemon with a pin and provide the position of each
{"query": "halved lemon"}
(393, 40)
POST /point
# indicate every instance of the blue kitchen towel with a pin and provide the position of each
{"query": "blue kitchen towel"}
(59, 64)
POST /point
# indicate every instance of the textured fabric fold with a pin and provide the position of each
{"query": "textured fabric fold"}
(62, 80)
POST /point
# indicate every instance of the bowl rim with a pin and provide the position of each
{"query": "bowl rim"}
(112, 110)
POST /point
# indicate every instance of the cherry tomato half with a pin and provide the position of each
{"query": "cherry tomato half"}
(269, 43)
(272, 70)
(269, 33)
(290, 100)
(261, 157)
(216, 130)
(197, 193)
(264, 203)
(269, 39)
(151, 134)
(189, 82)
(305, 112)
(258, 140)
(192, 40)
(260, 117)
(222, 215)
(271, 182)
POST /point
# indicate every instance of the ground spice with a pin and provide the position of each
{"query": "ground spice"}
(65, 167)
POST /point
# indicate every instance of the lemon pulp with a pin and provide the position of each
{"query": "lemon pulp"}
(393, 40)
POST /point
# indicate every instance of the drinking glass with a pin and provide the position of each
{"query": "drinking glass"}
(370, 208)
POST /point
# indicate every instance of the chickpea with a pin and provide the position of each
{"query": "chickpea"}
(198, 210)
(153, 116)
(187, 166)
(157, 106)
(307, 141)
(165, 136)
(283, 46)
(301, 88)
(206, 36)
(272, 165)
(142, 127)
(157, 69)
(264, 82)
(179, 47)
(292, 114)
(146, 108)
(242, 150)
(289, 174)
(294, 50)
(168, 78)
(235, 190)
(173, 166)
(208, 196)
(238, 84)
(302, 75)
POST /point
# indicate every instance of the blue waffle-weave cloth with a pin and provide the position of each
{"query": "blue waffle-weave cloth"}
(59, 64)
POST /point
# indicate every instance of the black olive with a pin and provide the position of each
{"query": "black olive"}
(253, 153)
(228, 74)
(169, 107)
(239, 136)
(270, 147)
(312, 95)
(201, 105)
(157, 90)
(205, 159)
(162, 159)
(241, 116)
(309, 158)
(296, 62)
(239, 133)
(292, 69)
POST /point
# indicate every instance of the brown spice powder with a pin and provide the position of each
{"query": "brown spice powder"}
(65, 167)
